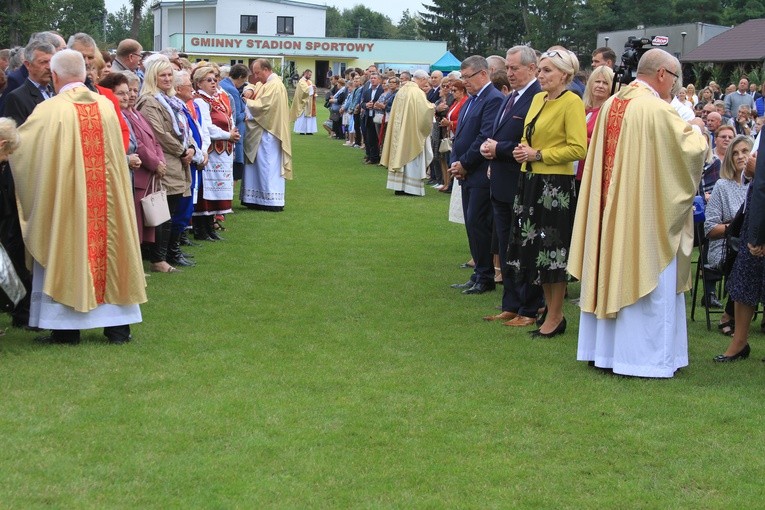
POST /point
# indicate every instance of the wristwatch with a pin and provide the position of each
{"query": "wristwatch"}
(538, 157)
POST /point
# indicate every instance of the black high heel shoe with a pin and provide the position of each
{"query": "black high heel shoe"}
(542, 318)
(559, 330)
(742, 354)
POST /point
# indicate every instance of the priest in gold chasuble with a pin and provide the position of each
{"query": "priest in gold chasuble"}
(633, 231)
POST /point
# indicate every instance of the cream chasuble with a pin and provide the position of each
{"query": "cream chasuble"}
(76, 204)
(634, 211)
(269, 111)
(303, 102)
(409, 124)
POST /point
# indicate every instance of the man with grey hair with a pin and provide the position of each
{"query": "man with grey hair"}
(37, 87)
(19, 75)
(52, 38)
(77, 214)
(474, 126)
(520, 301)
(496, 63)
(633, 230)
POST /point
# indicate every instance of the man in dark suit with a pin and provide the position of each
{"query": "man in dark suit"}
(17, 78)
(14, 79)
(435, 86)
(368, 98)
(36, 88)
(474, 126)
(18, 106)
(520, 302)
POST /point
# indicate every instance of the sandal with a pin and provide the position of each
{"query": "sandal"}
(727, 328)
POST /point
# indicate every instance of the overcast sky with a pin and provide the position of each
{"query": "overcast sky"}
(391, 8)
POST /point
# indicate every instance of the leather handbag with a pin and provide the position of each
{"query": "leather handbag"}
(445, 145)
(154, 205)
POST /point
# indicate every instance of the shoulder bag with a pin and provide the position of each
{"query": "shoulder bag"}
(154, 205)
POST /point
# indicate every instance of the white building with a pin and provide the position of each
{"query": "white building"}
(241, 17)
(290, 33)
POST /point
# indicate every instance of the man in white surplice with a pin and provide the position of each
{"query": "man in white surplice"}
(267, 144)
(633, 230)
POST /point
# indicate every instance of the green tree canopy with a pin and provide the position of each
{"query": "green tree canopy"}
(21, 18)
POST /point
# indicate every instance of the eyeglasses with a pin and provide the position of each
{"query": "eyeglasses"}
(136, 55)
(211, 80)
(467, 77)
(551, 54)
(673, 74)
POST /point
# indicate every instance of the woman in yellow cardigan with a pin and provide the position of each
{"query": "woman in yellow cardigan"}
(555, 136)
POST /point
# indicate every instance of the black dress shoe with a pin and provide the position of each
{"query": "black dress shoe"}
(214, 236)
(54, 339)
(181, 261)
(185, 241)
(120, 340)
(742, 354)
(480, 288)
(559, 330)
(465, 285)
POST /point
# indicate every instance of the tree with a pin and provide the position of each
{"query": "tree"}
(337, 25)
(409, 26)
(364, 22)
(119, 27)
(24, 17)
(738, 11)
(135, 24)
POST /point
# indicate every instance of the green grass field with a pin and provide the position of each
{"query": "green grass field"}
(317, 358)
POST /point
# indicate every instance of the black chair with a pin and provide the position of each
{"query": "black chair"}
(706, 273)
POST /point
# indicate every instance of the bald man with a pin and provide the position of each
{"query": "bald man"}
(633, 231)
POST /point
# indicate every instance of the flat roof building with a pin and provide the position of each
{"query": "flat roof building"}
(286, 31)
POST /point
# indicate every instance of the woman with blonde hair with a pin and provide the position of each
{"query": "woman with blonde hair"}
(555, 137)
(165, 114)
(596, 92)
(690, 90)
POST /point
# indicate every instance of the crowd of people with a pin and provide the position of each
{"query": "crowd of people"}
(509, 138)
(128, 128)
(555, 173)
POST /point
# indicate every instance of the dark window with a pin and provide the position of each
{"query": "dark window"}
(248, 24)
(285, 25)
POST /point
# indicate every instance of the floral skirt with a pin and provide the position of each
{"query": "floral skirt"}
(541, 231)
